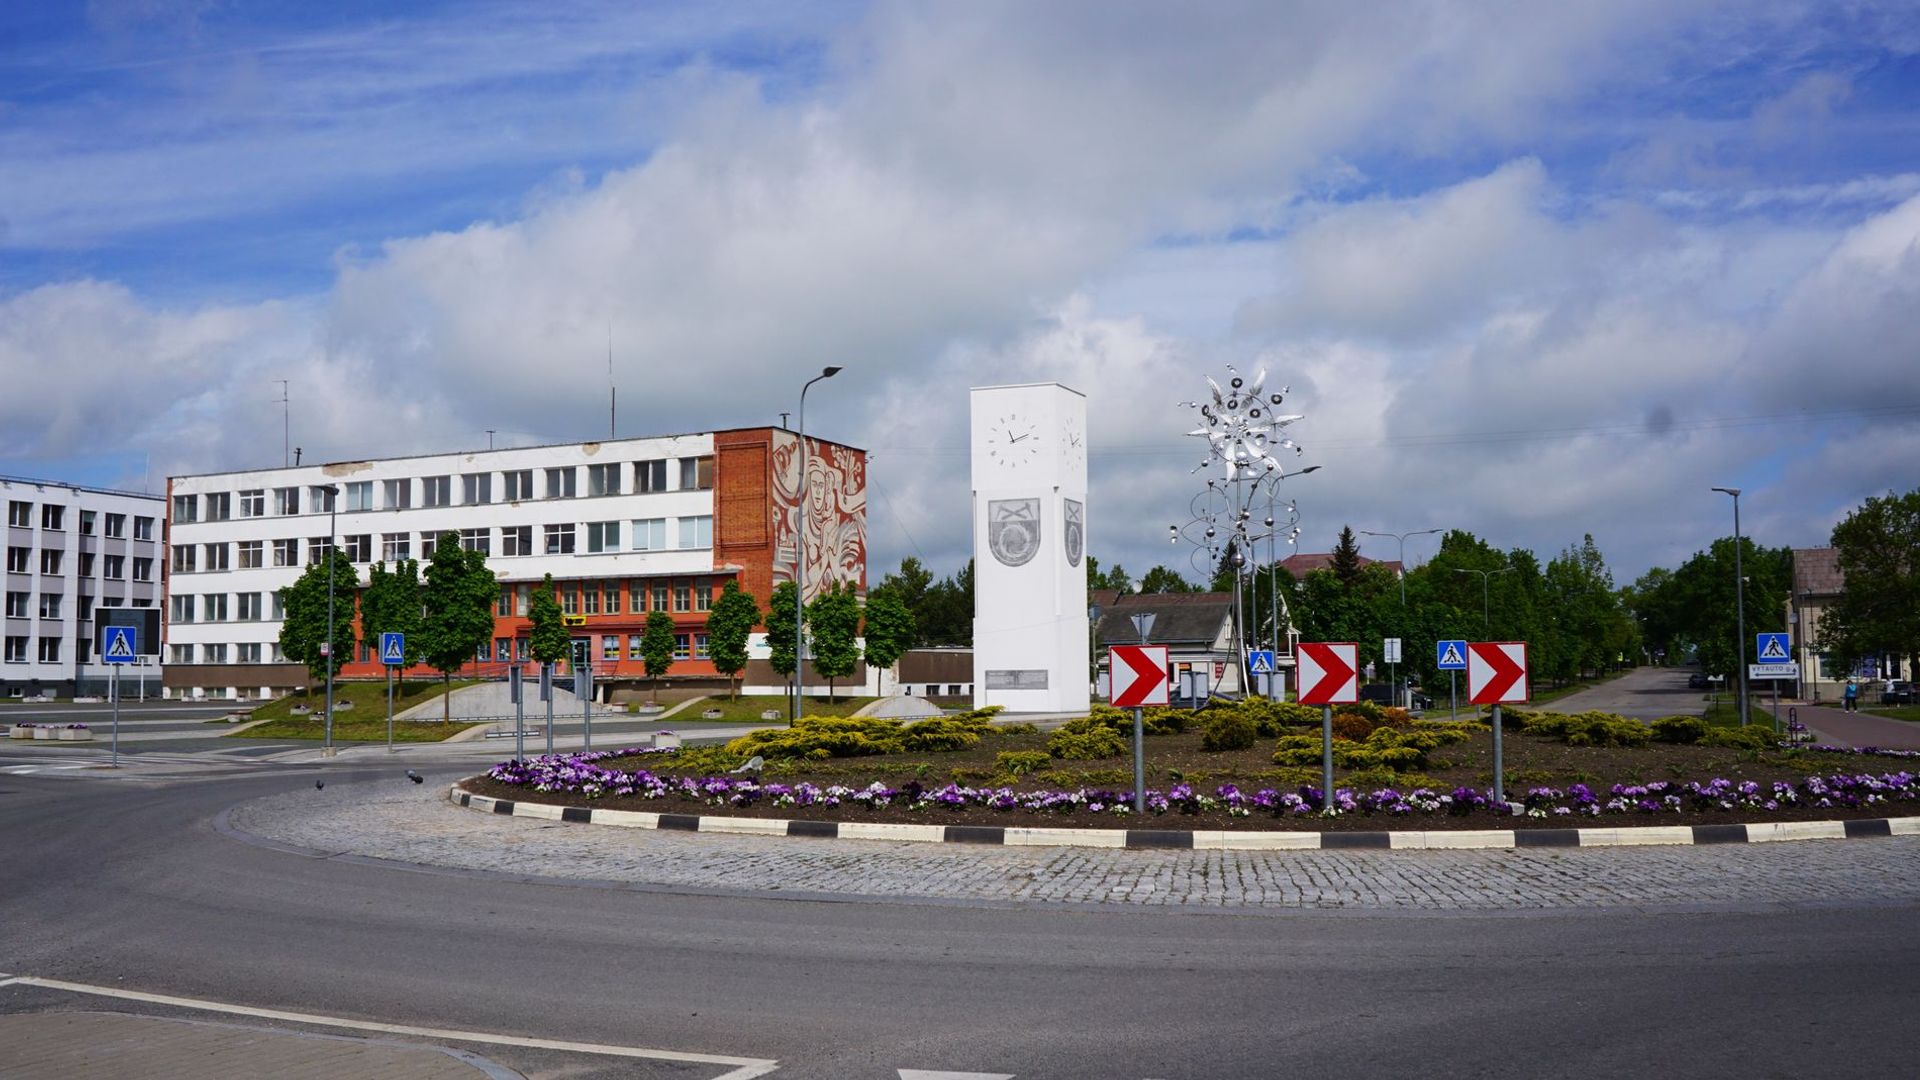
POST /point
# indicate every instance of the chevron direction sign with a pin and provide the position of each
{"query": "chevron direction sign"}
(1329, 673)
(1139, 675)
(1497, 672)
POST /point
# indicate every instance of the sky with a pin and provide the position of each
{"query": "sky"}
(1532, 271)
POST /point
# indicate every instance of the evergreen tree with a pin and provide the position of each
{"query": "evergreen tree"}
(459, 598)
(912, 584)
(1346, 559)
(729, 626)
(833, 626)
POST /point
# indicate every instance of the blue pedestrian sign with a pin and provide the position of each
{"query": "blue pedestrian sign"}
(1450, 655)
(1771, 648)
(393, 649)
(122, 645)
(1260, 662)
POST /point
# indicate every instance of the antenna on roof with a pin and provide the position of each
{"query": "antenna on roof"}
(613, 392)
(285, 424)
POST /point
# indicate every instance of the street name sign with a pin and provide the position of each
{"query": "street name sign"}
(1390, 651)
(1139, 675)
(1329, 672)
(1788, 670)
(1497, 672)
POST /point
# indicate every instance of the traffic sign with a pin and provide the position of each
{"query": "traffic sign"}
(1139, 675)
(514, 691)
(1497, 672)
(122, 645)
(1328, 673)
(1450, 655)
(1390, 652)
(1260, 662)
(393, 649)
(1771, 648)
(1788, 670)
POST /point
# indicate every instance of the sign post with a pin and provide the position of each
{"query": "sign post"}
(1451, 657)
(121, 646)
(393, 654)
(1497, 673)
(515, 690)
(1390, 652)
(1328, 674)
(583, 686)
(1139, 680)
(546, 695)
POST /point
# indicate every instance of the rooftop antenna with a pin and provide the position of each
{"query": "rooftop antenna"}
(285, 423)
(613, 392)
(783, 419)
(296, 455)
(490, 432)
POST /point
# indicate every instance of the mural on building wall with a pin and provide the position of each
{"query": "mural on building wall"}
(835, 490)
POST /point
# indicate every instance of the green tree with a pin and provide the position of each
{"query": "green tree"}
(890, 630)
(1878, 610)
(946, 617)
(458, 599)
(547, 639)
(833, 626)
(1115, 579)
(780, 633)
(391, 605)
(1160, 579)
(911, 583)
(1346, 558)
(656, 648)
(304, 628)
(729, 626)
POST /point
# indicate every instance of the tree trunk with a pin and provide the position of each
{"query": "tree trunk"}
(446, 698)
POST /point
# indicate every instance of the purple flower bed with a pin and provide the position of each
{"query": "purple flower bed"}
(580, 774)
(76, 727)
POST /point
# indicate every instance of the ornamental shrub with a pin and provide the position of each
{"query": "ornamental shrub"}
(1756, 737)
(1684, 730)
(1275, 718)
(1097, 741)
(1349, 725)
(945, 733)
(1584, 729)
(823, 737)
(1227, 729)
(1021, 762)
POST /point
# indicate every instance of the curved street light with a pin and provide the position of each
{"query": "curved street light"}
(1739, 605)
(800, 563)
(1402, 537)
(1485, 577)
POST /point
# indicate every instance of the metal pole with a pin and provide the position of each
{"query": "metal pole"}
(333, 505)
(1326, 758)
(1739, 612)
(800, 564)
(1453, 693)
(547, 666)
(585, 676)
(1139, 762)
(389, 708)
(520, 719)
(1499, 771)
(114, 692)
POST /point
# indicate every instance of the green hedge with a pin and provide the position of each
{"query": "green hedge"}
(821, 737)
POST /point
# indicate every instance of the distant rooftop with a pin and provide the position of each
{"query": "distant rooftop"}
(1304, 563)
(1817, 570)
(65, 485)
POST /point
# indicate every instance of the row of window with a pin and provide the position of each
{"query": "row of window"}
(503, 650)
(53, 519)
(244, 652)
(604, 597)
(16, 650)
(509, 650)
(602, 537)
(112, 567)
(476, 489)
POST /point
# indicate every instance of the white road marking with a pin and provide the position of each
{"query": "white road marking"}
(923, 1074)
(743, 1068)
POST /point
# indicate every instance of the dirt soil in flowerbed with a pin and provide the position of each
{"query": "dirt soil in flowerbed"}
(1531, 761)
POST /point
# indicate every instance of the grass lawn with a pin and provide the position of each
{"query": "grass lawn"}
(749, 707)
(1898, 712)
(355, 729)
(368, 700)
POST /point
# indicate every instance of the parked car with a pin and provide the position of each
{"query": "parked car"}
(1698, 681)
(1382, 694)
(1898, 692)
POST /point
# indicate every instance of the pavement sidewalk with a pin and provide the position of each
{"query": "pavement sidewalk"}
(1856, 728)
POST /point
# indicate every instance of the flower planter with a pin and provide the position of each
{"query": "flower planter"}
(72, 734)
(666, 740)
(712, 714)
(43, 733)
(19, 731)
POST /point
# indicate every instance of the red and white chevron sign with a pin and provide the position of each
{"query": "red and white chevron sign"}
(1329, 673)
(1139, 675)
(1497, 672)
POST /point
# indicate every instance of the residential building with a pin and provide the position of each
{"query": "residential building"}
(1196, 628)
(626, 527)
(71, 550)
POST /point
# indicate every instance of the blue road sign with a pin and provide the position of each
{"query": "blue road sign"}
(1771, 648)
(1450, 655)
(1260, 662)
(393, 649)
(122, 645)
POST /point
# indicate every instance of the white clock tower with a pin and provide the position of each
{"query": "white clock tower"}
(1030, 632)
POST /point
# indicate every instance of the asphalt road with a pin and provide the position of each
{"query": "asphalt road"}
(1646, 693)
(126, 883)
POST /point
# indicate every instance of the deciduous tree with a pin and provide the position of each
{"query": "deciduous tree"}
(833, 626)
(729, 626)
(305, 626)
(890, 629)
(656, 648)
(459, 598)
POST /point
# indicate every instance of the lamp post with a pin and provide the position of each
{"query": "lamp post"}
(800, 561)
(333, 509)
(1402, 538)
(1486, 576)
(1739, 606)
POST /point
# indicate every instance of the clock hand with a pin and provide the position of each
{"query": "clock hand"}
(1028, 435)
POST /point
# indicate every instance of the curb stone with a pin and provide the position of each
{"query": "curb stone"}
(1203, 839)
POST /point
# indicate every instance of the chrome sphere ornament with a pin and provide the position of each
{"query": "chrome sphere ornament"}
(1242, 437)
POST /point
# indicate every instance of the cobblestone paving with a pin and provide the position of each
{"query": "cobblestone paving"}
(419, 825)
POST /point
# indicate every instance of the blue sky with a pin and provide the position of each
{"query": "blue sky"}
(1677, 241)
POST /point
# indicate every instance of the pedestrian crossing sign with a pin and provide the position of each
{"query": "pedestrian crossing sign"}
(122, 645)
(1771, 648)
(1450, 655)
(1260, 662)
(393, 649)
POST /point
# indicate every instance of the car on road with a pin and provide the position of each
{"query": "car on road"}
(1382, 694)
(1698, 681)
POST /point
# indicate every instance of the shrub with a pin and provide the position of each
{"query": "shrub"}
(1021, 728)
(1275, 718)
(820, 737)
(1584, 729)
(1349, 725)
(1757, 737)
(1227, 729)
(1020, 762)
(1679, 729)
(1086, 745)
(945, 733)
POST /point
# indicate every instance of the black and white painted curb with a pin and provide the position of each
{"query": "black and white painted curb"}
(1206, 839)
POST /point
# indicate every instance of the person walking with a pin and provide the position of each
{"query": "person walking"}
(1852, 697)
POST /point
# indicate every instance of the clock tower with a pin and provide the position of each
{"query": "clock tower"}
(1030, 631)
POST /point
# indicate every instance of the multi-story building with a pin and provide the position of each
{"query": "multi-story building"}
(626, 527)
(71, 549)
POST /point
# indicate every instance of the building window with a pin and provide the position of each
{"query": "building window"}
(395, 546)
(427, 541)
(520, 649)
(603, 480)
(183, 558)
(49, 650)
(278, 606)
(179, 654)
(650, 476)
(398, 494)
(590, 599)
(516, 540)
(249, 606)
(116, 526)
(323, 499)
(16, 650)
(504, 606)
(182, 609)
(286, 501)
(18, 559)
(560, 539)
(50, 605)
(603, 536)
(85, 613)
(20, 515)
(660, 596)
(696, 474)
(696, 532)
(53, 518)
(569, 598)
(286, 553)
(702, 595)
(220, 506)
(143, 528)
(50, 561)
(216, 556)
(215, 653)
(633, 647)
(700, 646)
(359, 547)
(480, 540)
(560, 483)
(436, 490)
(249, 652)
(114, 567)
(681, 650)
(86, 564)
(650, 534)
(610, 647)
(253, 503)
(250, 554)
(318, 547)
(503, 648)
(522, 595)
(87, 520)
(186, 508)
(476, 488)
(142, 569)
(682, 596)
(215, 608)
(19, 604)
(610, 596)
(360, 495)
(518, 484)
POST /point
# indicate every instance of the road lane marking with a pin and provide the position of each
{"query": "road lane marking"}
(743, 1068)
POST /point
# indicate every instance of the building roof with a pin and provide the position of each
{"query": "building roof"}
(1303, 563)
(67, 485)
(1178, 618)
(1817, 570)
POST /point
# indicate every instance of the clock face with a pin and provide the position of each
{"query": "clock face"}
(1013, 441)
(1075, 444)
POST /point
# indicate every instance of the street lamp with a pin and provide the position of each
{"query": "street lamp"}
(1485, 576)
(1402, 537)
(333, 510)
(800, 564)
(1739, 605)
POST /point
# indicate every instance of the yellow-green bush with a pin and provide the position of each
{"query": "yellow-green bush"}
(1093, 742)
(1755, 737)
(1227, 729)
(1392, 748)
(1679, 729)
(1584, 729)
(1021, 762)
